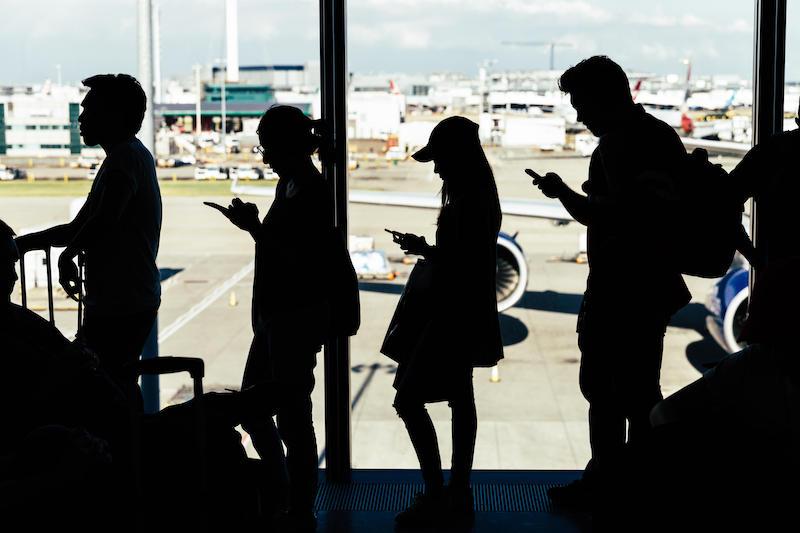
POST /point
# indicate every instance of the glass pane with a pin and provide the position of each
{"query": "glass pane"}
(206, 263)
(498, 63)
(791, 99)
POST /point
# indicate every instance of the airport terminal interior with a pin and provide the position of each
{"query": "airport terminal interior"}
(379, 75)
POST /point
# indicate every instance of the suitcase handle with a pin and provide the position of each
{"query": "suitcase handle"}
(171, 365)
(48, 263)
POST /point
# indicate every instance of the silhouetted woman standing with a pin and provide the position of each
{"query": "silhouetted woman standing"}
(292, 304)
(454, 322)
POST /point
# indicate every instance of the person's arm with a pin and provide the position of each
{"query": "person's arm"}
(552, 186)
(580, 207)
(749, 174)
(114, 196)
(752, 172)
(745, 247)
(60, 235)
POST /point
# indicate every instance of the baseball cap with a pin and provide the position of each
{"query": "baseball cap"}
(448, 135)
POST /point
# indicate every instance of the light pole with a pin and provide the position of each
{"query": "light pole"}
(198, 128)
(223, 105)
(146, 134)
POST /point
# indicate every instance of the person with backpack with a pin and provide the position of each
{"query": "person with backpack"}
(295, 308)
(447, 322)
(634, 286)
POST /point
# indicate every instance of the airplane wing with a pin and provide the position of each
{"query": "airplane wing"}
(716, 147)
(544, 209)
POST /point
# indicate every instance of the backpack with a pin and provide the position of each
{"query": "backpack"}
(343, 286)
(706, 217)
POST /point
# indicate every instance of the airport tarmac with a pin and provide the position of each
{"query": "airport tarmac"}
(533, 418)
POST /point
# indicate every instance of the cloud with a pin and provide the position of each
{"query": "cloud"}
(575, 9)
(689, 21)
(693, 21)
(658, 20)
(580, 42)
(86, 36)
(395, 34)
(658, 52)
(741, 26)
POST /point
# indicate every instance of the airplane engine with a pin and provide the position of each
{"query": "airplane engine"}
(512, 272)
(728, 306)
(732, 320)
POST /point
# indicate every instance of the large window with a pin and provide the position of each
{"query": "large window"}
(268, 53)
(411, 64)
(415, 63)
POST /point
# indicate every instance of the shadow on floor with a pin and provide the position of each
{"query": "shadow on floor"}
(702, 354)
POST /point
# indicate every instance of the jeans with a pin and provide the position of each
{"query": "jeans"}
(620, 378)
(423, 437)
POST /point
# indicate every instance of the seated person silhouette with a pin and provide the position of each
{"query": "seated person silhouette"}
(46, 379)
(48, 382)
(752, 398)
(118, 228)
(56, 479)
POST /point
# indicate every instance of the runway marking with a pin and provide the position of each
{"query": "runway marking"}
(203, 304)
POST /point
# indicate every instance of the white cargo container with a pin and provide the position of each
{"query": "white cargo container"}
(546, 133)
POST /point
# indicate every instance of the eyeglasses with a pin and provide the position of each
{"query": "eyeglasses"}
(261, 151)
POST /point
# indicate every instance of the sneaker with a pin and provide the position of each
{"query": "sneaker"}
(576, 495)
(460, 506)
(426, 510)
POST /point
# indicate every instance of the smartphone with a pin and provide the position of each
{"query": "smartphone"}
(533, 174)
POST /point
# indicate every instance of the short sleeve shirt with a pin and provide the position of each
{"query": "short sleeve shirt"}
(121, 272)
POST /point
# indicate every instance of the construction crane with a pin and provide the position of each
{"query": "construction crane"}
(551, 44)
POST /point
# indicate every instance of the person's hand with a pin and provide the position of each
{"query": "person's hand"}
(68, 275)
(242, 215)
(550, 184)
(411, 244)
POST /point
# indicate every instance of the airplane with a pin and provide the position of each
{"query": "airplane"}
(512, 265)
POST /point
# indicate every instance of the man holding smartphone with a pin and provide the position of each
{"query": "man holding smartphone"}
(118, 228)
(620, 328)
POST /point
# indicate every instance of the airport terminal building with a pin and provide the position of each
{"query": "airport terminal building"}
(40, 121)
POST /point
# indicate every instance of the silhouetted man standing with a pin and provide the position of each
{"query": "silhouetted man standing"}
(631, 291)
(118, 228)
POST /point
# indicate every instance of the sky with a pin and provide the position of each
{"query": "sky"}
(413, 36)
